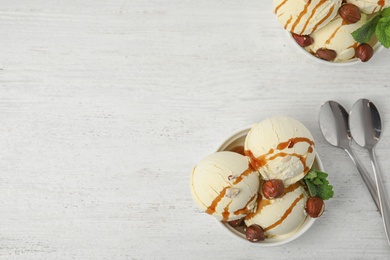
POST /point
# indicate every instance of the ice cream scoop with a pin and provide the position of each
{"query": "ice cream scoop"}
(283, 216)
(336, 36)
(225, 185)
(280, 147)
(305, 16)
(370, 6)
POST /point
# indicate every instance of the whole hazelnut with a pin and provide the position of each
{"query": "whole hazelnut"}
(273, 188)
(303, 40)
(364, 52)
(237, 222)
(326, 54)
(350, 13)
(254, 233)
(315, 206)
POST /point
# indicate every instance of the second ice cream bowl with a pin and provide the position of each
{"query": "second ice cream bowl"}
(236, 143)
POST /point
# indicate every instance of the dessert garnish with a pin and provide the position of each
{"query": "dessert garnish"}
(318, 185)
(378, 24)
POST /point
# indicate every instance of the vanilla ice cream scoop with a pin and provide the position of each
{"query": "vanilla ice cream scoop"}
(370, 6)
(282, 216)
(225, 185)
(337, 36)
(280, 148)
(305, 16)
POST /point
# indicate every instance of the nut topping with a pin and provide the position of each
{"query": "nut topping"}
(315, 206)
(326, 54)
(303, 40)
(350, 13)
(273, 188)
(254, 233)
(364, 52)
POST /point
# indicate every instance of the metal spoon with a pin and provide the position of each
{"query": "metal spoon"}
(333, 121)
(366, 128)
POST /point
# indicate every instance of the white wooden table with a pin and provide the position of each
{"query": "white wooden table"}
(105, 107)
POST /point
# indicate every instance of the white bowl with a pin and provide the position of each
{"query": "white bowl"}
(377, 48)
(237, 140)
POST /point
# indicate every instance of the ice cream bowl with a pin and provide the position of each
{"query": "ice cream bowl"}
(354, 61)
(235, 143)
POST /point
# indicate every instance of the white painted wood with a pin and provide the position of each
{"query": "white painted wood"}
(105, 106)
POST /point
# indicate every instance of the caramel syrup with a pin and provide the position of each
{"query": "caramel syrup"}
(211, 209)
(286, 214)
(323, 19)
(280, 5)
(301, 14)
(258, 162)
(312, 14)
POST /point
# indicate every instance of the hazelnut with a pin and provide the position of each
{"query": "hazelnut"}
(236, 223)
(364, 52)
(326, 54)
(254, 233)
(273, 188)
(303, 40)
(315, 206)
(350, 13)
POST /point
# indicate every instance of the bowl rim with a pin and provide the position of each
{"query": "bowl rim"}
(284, 239)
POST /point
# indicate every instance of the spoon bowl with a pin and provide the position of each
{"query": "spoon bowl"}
(333, 121)
(365, 123)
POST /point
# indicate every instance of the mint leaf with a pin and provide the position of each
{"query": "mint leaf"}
(383, 31)
(311, 175)
(385, 12)
(367, 30)
(322, 175)
(311, 187)
(318, 185)
(325, 192)
(317, 181)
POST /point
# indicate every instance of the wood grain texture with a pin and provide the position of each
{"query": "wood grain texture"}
(105, 107)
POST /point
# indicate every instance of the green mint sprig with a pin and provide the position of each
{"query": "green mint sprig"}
(318, 185)
(379, 24)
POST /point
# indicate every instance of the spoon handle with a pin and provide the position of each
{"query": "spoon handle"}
(366, 178)
(383, 199)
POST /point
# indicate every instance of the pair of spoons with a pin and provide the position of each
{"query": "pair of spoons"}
(363, 124)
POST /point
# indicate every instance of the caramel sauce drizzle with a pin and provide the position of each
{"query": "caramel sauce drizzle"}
(301, 14)
(288, 22)
(226, 213)
(323, 19)
(245, 210)
(280, 5)
(312, 14)
(334, 33)
(262, 160)
(211, 209)
(262, 203)
(292, 141)
(245, 173)
(285, 215)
